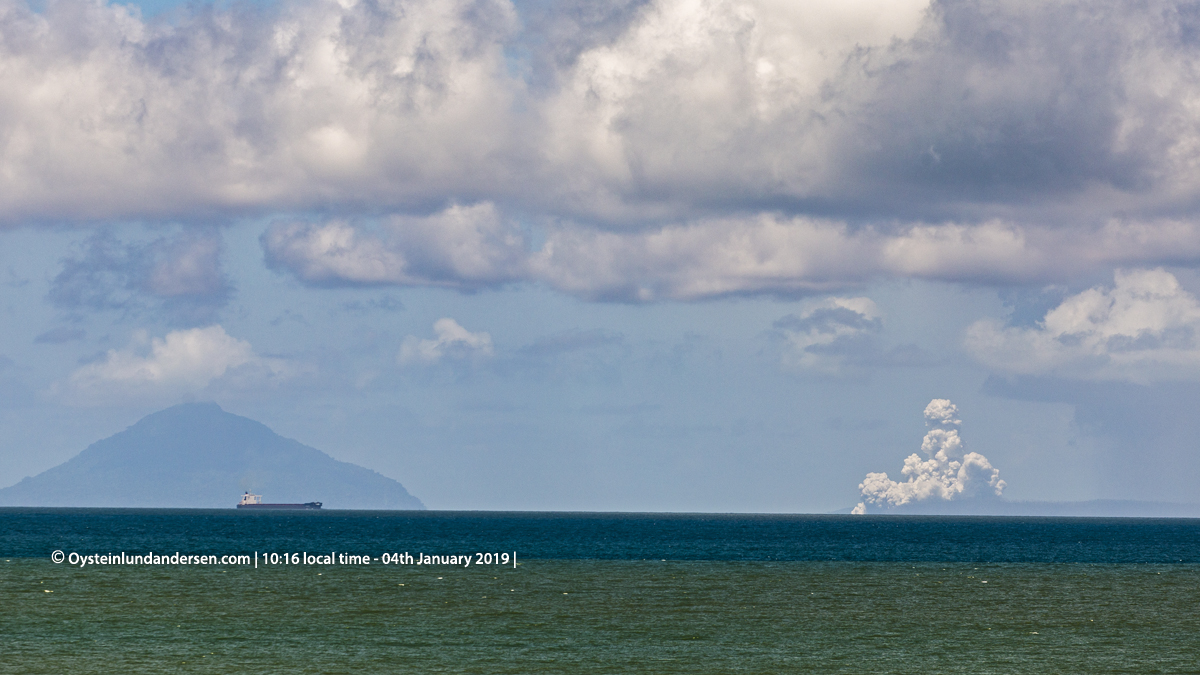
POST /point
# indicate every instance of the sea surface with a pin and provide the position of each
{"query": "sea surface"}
(594, 593)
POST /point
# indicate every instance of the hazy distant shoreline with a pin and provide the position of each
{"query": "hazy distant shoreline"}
(1100, 508)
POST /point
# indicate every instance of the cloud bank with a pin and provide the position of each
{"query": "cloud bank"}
(632, 151)
(949, 473)
(472, 247)
(242, 110)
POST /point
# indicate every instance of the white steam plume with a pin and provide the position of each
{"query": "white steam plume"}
(949, 473)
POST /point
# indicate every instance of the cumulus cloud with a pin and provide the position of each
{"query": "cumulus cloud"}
(948, 474)
(1144, 328)
(706, 259)
(671, 149)
(244, 109)
(715, 100)
(469, 247)
(184, 361)
(828, 334)
(463, 247)
(775, 254)
(642, 110)
(451, 341)
(179, 274)
(415, 102)
(935, 111)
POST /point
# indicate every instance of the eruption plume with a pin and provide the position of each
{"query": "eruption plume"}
(949, 473)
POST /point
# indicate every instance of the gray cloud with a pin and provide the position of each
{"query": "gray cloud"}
(978, 109)
(841, 336)
(830, 335)
(473, 247)
(180, 275)
(830, 321)
(996, 103)
(244, 111)
(665, 150)
(555, 33)
(645, 109)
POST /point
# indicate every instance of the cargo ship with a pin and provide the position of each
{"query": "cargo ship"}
(250, 501)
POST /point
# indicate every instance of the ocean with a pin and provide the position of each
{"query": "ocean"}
(481, 592)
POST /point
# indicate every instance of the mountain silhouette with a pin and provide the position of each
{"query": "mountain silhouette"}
(196, 455)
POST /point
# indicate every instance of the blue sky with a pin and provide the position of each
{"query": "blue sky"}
(675, 255)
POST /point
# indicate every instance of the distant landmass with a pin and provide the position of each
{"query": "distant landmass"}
(196, 455)
(1112, 508)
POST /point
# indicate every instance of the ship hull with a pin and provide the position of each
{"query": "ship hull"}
(311, 506)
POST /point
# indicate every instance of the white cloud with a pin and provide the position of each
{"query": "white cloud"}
(105, 115)
(770, 253)
(699, 148)
(695, 107)
(181, 362)
(1145, 328)
(470, 246)
(462, 247)
(948, 474)
(941, 111)
(712, 98)
(474, 246)
(710, 258)
(451, 340)
(332, 252)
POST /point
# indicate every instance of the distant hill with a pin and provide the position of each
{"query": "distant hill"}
(196, 455)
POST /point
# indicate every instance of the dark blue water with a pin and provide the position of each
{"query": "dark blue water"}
(607, 536)
(600, 593)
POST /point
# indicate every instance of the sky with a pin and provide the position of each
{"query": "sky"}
(671, 255)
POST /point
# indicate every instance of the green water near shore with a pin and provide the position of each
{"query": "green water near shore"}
(602, 616)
